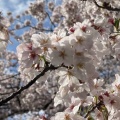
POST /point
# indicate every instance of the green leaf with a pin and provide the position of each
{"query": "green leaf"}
(90, 118)
(116, 24)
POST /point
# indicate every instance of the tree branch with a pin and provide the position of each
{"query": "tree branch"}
(107, 7)
(47, 68)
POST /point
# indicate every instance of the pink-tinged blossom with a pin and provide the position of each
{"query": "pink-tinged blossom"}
(97, 87)
(61, 53)
(116, 84)
(98, 115)
(28, 55)
(67, 78)
(58, 35)
(67, 116)
(111, 102)
(77, 102)
(114, 116)
(40, 40)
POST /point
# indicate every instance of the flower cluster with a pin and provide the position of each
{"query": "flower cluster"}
(4, 34)
(75, 48)
(78, 52)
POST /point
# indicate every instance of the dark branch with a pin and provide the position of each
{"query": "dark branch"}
(97, 105)
(47, 68)
(106, 6)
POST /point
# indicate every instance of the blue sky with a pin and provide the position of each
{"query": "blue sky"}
(16, 6)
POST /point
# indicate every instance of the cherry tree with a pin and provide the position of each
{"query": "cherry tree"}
(61, 64)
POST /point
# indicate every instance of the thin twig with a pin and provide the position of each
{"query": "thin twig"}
(42, 29)
(97, 105)
(10, 77)
(50, 19)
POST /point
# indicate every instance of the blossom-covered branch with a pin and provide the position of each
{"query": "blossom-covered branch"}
(76, 51)
(47, 68)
